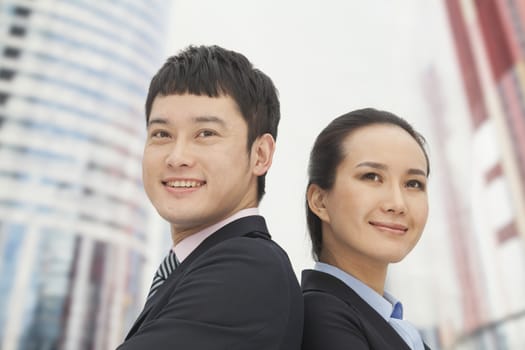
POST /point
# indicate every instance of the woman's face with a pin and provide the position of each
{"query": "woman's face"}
(378, 206)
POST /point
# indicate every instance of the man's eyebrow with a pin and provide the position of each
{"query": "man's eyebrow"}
(209, 119)
(411, 171)
(199, 119)
(157, 121)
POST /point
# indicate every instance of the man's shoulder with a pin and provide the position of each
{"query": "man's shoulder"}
(257, 264)
(254, 245)
(250, 235)
(243, 246)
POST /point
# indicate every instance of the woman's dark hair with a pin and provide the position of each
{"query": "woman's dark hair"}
(327, 153)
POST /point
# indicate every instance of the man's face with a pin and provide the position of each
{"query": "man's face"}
(196, 167)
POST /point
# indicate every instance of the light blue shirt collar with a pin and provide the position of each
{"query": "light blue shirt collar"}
(387, 306)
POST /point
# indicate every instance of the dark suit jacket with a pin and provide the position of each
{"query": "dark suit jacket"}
(236, 290)
(337, 318)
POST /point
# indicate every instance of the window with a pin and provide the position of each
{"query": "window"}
(3, 97)
(11, 52)
(6, 74)
(17, 30)
(21, 11)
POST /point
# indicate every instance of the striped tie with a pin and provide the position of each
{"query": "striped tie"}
(167, 266)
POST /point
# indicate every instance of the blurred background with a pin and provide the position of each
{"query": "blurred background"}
(79, 241)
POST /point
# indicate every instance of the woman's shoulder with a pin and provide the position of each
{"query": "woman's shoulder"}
(330, 297)
(322, 303)
(330, 322)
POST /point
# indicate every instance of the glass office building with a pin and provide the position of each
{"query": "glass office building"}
(74, 221)
(489, 38)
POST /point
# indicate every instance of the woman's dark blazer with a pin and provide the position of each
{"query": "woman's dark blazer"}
(336, 318)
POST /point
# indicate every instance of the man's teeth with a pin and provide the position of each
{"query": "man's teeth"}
(184, 183)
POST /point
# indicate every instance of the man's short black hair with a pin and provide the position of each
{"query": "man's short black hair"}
(214, 71)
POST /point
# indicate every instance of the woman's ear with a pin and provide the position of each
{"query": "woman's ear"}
(316, 197)
(262, 154)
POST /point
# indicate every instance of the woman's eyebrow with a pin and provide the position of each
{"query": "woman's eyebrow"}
(414, 171)
(380, 166)
(372, 165)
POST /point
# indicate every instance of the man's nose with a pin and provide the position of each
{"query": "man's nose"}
(179, 155)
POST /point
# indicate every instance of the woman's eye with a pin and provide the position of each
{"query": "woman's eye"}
(371, 177)
(416, 184)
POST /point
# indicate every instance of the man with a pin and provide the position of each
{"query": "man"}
(212, 120)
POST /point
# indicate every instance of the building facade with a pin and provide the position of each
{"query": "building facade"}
(74, 221)
(489, 236)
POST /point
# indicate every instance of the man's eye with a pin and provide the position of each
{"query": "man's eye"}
(206, 133)
(159, 134)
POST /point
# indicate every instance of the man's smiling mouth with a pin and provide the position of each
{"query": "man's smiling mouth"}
(183, 183)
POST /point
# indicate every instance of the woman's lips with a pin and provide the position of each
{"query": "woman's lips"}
(389, 226)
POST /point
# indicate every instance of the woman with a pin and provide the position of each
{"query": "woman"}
(366, 208)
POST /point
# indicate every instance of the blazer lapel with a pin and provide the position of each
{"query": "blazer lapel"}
(147, 307)
(253, 226)
(318, 281)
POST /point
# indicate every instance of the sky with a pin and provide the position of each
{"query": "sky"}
(328, 58)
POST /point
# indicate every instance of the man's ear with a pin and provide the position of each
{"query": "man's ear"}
(316, 198)
(262, 154)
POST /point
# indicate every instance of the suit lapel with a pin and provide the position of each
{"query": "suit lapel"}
(318, 281)
(253, 226)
